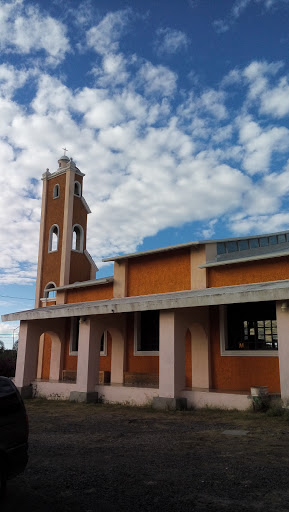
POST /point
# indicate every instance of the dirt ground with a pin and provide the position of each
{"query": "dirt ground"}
(93, 457)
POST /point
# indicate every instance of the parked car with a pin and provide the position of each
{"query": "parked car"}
(13, 433)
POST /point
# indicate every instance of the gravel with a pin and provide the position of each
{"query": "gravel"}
(93, 457)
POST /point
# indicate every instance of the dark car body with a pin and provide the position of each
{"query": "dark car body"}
(13, 432)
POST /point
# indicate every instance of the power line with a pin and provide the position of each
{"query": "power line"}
(21, 298)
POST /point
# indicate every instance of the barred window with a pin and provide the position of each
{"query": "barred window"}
(252, 326)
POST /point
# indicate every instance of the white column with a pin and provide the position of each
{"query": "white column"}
(283, 349)
(171, 356)
(26, 366)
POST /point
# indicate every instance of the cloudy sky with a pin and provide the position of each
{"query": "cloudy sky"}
(176, 111)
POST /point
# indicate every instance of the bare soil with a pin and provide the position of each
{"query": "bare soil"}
(93, 457)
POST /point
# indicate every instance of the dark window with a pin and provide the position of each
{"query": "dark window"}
(273, 240)
(102, 343)
(77, 189)
(232, 246)
(252, 326)
(254, 243)
(281, 239)
(56, 191)
(74, 334)
(221, 248)
(149, 331)
(264, 241)
(243, 245)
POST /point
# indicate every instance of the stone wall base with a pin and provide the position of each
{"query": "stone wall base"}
(82, 396)
(169, 404)
(26, 391)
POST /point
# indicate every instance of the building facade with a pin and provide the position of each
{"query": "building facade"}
(189, 325)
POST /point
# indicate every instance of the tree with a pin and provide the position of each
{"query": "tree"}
(2, 346)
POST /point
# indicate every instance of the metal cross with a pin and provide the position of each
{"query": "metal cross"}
(64, 149)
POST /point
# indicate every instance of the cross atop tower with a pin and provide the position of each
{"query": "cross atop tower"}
(64, 149)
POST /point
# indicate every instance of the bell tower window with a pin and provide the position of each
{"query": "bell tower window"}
(77, 189)
(53, 238)
(49, 291)
(56, 191)
(77, 238)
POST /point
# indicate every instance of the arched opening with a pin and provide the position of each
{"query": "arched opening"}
(56, 191)
(77, 189)
(77, 238)
(50, 357)
(49, 291)
(53, 238)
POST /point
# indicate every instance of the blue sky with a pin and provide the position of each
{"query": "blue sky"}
(176, 111)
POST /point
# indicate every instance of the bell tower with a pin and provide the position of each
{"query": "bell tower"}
(62, 258)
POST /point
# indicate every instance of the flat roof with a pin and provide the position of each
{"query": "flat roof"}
(84, 284)
(190, 244)
(257, 257)
(256, 292)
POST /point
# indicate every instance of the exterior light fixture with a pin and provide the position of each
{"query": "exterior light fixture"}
(284, 306)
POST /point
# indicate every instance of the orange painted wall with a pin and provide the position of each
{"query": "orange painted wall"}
(105, 361)
(138, 364)
(159, 273)
(240, 373)
(70, 362)
(99, 292)
(260, 271)
(46, 357)
(188, 348)
(79, 267)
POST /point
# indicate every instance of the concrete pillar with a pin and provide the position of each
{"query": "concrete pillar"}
(117, 357)
(283, 349)
(88, 361)
(26, 366)
(120, 279)
(171, 362)
(200, 351)
(57, 355)
(40, 357)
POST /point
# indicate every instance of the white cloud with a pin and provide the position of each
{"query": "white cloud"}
(25, 29)
(275, 101)
(238, 7)
(157, 79)
(105, 36)
(170, 41)
(258, 144)
(11, 79)
(261, 224)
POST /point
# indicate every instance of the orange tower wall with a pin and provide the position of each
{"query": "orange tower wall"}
(54, 215)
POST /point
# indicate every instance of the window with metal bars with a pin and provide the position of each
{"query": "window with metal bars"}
(252, 326)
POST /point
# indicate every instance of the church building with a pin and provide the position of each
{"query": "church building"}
(188, 325)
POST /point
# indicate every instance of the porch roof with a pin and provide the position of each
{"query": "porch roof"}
(273, 290)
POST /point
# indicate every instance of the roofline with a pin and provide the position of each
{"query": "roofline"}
(190, 244)
(84, 284)
(153, 251)
(258, 257)
(257, 292)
